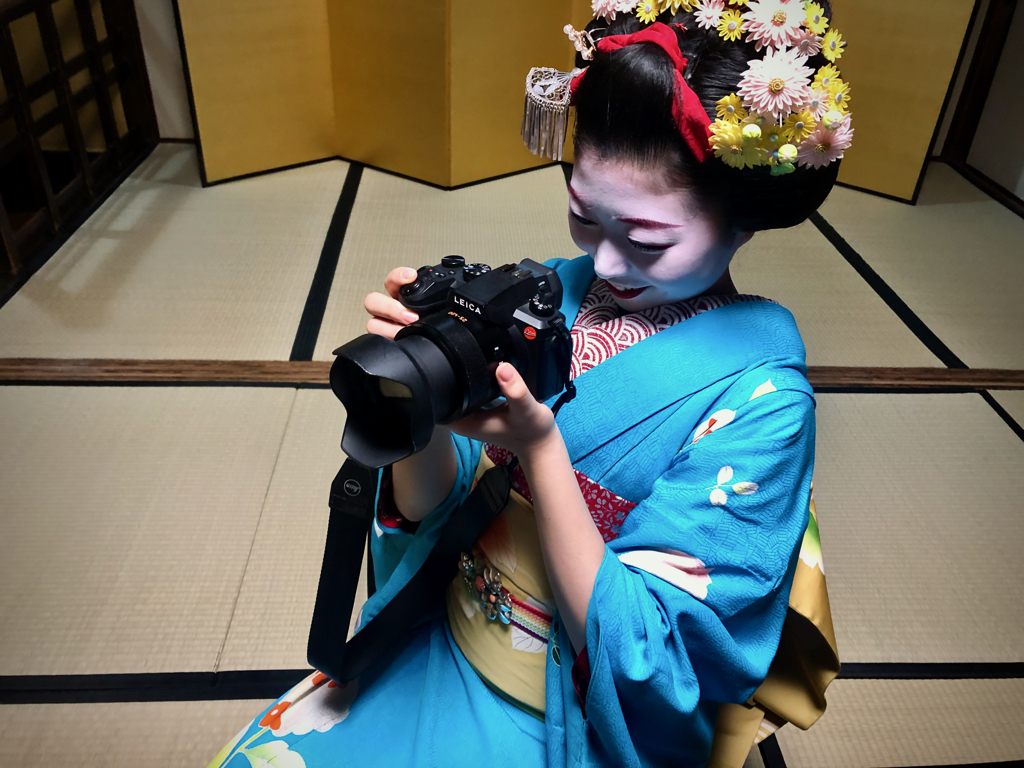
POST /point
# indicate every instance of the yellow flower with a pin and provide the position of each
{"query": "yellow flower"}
(771, 139)
(737, 2)
(756, 118)
(799, 126)
(839, 96)
(730, 25)
(825, 77)
(730, 108)
(674, 5)
(648, 10)
(735, 151)
(832, 45)
(817, 22)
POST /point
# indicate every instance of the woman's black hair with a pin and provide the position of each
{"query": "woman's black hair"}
(624, 112)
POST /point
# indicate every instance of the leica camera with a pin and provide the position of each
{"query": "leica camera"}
(441, 368)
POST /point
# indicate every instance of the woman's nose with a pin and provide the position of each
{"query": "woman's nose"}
(608, 261)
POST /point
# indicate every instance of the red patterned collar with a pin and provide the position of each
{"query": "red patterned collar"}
(602, 330)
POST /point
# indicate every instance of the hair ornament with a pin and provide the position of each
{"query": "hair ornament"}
(730, 25)
(773, 23)
(709, 13)
(608, 9)
(674, 6)
(546, 111)
(648, 10)
(581, 40)
(783, 113)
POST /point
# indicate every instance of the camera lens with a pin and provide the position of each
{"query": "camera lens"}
(394, 393)
(441, 367)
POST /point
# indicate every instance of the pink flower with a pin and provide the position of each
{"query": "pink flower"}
(708, 14)
(777, 84)
(824, 146)
(818, 102)
(605, 8)
(772, 23)
(806, 42)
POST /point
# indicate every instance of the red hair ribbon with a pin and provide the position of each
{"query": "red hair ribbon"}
(693, 122)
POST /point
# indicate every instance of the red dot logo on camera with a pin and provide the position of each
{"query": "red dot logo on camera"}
(530, 333)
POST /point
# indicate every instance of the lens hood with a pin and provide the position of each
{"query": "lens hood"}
(387, 394)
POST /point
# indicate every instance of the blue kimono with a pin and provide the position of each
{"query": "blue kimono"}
(708, 426)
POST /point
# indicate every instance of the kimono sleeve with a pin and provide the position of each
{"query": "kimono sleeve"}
(689, 601)
(398, 552)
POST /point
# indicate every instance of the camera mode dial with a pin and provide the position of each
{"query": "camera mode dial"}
(428, 292)
(541, 309)
(474, 271)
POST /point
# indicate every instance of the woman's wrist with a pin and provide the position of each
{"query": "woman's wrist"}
(543, 450)
(425, 479)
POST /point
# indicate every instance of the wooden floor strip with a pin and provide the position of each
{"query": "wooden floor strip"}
(306, 373)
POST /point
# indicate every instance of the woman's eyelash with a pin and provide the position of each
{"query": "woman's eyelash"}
(648, 247)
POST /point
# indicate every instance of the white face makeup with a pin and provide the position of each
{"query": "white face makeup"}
(648, 239)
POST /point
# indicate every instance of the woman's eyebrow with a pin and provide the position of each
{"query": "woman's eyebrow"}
(648, 223)
(627, 219)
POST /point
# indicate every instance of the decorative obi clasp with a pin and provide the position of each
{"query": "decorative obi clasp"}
(483, 582)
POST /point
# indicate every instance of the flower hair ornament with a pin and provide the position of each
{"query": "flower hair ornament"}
(783, 113)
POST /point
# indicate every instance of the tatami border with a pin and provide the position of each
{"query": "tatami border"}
(305, 373)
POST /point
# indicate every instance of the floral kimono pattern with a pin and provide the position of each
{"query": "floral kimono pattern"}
(705, 430)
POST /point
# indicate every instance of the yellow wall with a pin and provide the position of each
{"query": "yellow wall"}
(491, 52)
(434, 88)
(391, 85)
(261, 78)
(899, 65)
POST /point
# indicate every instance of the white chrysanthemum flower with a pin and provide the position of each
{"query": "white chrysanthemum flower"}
(607, 9)
(709, 13)
(778, 84)
(772, 23)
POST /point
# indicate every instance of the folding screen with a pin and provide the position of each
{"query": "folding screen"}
(433, 90)
(900, 65)
(260, 77)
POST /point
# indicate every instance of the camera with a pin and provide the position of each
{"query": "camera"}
(441, 368)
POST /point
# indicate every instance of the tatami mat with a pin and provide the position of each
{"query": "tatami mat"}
(876, 723)
(919, 506)
(173, 734)
(271, 621)
(954, 258)
(396, 222)
(841, 318)
(166, 269)
(128, 516)
(1013, 402)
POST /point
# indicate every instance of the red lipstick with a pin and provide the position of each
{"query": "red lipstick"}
(628, 294)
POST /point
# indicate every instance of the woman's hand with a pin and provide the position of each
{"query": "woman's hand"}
(387, 315)
(520, 424)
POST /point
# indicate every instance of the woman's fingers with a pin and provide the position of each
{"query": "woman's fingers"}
(387, 315)
(397, 278)
(516, 393)
(387, 308)
(383, 328)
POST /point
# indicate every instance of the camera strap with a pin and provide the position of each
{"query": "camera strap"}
(353, 494)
